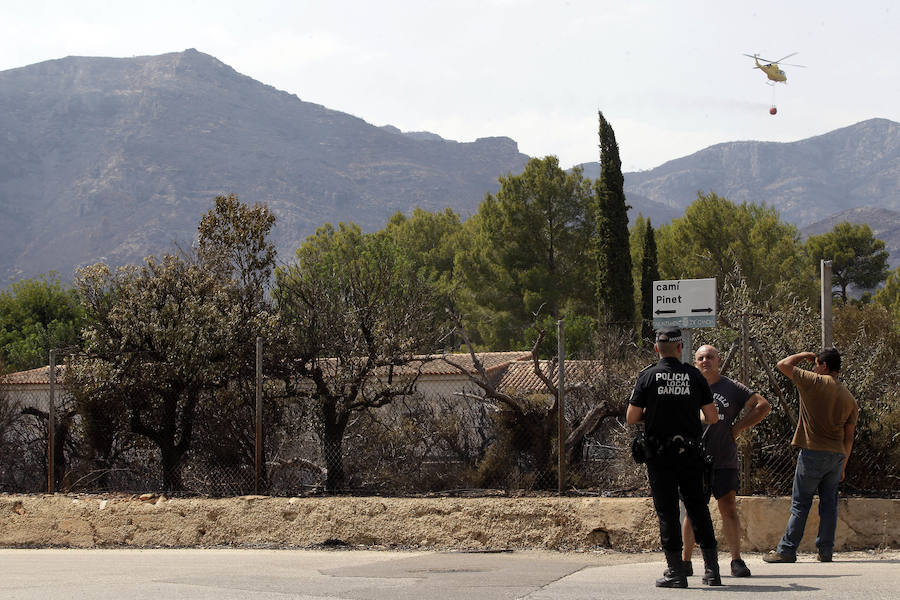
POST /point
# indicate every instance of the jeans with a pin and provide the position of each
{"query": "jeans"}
(817, 471)
(669, 478)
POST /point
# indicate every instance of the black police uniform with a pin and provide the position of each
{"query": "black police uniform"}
(672, 394)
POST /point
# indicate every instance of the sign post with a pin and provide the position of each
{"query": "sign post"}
(684, 303)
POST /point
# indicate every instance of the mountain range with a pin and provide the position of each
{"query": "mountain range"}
(112, 159)
(106, 159)
(807, 181)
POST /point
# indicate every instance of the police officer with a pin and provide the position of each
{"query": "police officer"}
(669, 398)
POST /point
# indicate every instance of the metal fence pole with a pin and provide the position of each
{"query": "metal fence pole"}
(259, 427)
(745, 379)
(561, 418)
(687, 346)
(744, 355)
(827, 341)
(51, 428)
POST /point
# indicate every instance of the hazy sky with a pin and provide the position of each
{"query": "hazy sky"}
(668, 75)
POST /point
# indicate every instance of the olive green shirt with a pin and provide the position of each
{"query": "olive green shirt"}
(826, 405)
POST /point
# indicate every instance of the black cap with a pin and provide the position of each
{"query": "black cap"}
(668, 334)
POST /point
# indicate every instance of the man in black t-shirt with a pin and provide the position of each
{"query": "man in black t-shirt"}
(719, 440)
(668, 398)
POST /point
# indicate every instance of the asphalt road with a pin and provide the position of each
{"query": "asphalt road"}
(225, 574)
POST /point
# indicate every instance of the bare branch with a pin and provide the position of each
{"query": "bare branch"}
(589, 424)
(540, 373)
(482, 381)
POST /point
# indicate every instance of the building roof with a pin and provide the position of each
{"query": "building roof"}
(437, 365)
(491, 361)
(515, 369)
(520, 377)
(39, 376)
(434, 365)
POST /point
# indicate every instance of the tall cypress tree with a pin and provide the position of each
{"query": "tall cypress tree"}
(615, 286)
(649, 274)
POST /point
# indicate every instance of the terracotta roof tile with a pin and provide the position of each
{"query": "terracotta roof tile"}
(39, 376)
(492, 361)
(518, 364)
(435, 365)
(520, 377)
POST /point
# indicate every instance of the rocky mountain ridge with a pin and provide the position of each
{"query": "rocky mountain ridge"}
(107, 159)
(112, 159)
(806, 180)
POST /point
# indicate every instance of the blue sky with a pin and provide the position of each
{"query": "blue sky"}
(669, 76)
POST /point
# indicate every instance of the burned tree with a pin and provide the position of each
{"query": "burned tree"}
(353, 315)
(527, 419)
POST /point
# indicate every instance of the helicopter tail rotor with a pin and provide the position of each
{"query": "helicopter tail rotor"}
(755, 58)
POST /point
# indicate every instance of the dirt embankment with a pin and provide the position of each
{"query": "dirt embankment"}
(566, 524)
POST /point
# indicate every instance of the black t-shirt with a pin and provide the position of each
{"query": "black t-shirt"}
(672, 393)
(730, 397)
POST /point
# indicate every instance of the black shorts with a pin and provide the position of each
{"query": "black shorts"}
(724, 481)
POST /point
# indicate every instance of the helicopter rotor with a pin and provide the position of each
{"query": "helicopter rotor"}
(774, 62)
(784, 57)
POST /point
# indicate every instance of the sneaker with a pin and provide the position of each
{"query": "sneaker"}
(739, 568)
(778, 557)
(823, 557)
(687, 568)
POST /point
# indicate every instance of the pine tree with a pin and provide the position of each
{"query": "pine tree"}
(615, 286)
(527, 254)
(649, 274)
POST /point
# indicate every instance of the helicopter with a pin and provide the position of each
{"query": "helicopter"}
(771, 68)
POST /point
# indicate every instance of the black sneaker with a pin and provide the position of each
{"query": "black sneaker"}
(777, 557)
(687, 568)
(739, 568)
(823, 557)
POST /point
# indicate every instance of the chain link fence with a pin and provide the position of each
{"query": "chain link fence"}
(446, 438)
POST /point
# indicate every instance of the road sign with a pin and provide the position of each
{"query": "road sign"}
(687, 303)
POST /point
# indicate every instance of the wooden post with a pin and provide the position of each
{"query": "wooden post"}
(760, 355)
(726, 362)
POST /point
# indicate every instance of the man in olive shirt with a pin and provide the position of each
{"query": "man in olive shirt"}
(828, 414)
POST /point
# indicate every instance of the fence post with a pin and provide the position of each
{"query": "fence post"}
(826, 304)
(259, 428)
(744, 342)
(687, 346)
(51, 428)
(561, 417)
(745, 379)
